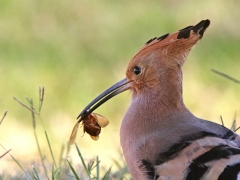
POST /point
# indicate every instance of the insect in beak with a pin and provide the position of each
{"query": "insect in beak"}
(93, 122)
(92, 125)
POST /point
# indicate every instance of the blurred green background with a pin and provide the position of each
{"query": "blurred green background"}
(78, 48)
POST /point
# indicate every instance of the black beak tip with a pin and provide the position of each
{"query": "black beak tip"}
(78, 116)
(83, 114)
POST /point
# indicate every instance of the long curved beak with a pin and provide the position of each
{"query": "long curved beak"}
(114, 90)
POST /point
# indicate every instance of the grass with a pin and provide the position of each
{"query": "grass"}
(64, 169)
(226, 76)
(7, 151)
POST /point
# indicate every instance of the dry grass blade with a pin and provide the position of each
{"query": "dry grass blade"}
(33, 114)
(3, 117)
(234, 123)
(21, 167)
(41, 98)
(226, 76)
(222, 120)
(233, 128)
(237, 129)
(32, 110)
(5, 153)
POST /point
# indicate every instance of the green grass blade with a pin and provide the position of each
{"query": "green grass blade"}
(49, 145)
(57, 171)
(53, 172)
(120, 173)
(21, 167)
(61, 155)
(116, 162)
(90, 165)
(40, 153)
(106, 176)
(83, 162)
(73, 170)
(36, 137)
(35, 173)
(97, 168)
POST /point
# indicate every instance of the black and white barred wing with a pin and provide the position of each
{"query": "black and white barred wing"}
(202, 156)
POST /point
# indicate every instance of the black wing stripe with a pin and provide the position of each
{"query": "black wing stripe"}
(220, 154)
(196, 171)
(149, 169)
(180, 164)
(230, 172)
(186, 151)
(186, 141)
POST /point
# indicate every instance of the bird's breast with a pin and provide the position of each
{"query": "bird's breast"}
(143, 136)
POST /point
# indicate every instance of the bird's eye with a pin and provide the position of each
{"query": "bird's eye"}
(137, 70)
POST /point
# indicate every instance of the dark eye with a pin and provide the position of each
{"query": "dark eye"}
(137, 70)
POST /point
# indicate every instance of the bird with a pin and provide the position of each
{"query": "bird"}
(160, 138)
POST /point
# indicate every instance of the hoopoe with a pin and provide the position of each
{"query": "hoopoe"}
(161, 139)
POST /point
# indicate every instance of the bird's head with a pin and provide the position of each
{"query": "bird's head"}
(159, 58)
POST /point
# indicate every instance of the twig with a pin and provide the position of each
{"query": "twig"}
(226, 76)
